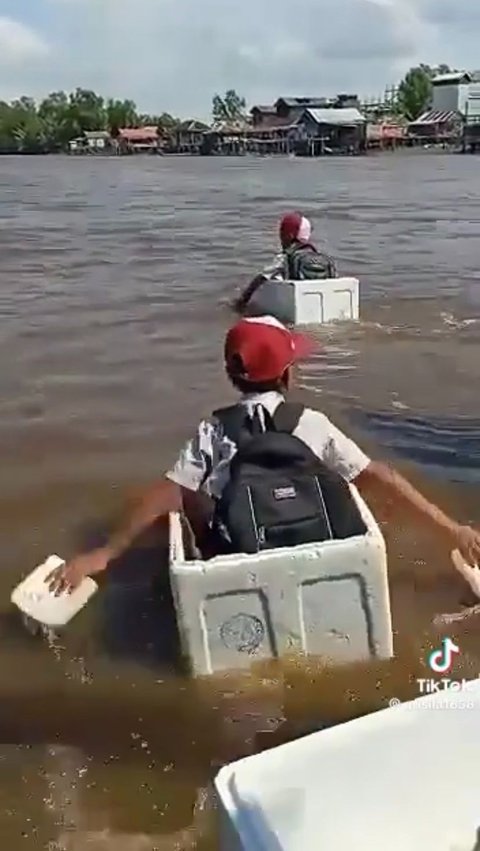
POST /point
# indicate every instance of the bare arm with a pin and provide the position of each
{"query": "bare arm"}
(156, 501)
(393, 484)
(170, 493)
(387, 478)
(242, 301)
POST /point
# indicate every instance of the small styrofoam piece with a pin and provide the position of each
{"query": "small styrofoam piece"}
(329, 599)
(313, 302)
(35, 600)
(402, 779)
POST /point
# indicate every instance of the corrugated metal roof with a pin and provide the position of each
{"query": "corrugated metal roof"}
(269, 110)
(298, 103)
(452, 77)
(138, 134)
(230, 127)
(347, 115)
(436, 116)
(192, 126)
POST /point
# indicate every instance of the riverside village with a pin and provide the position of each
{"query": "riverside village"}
(430, 108)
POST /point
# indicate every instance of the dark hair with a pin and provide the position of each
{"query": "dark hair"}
(235, 371)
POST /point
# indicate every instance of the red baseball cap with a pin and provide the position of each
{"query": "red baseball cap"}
(295, 226)
(264, 347)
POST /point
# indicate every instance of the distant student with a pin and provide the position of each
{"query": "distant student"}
(259, 356)
(299, 260)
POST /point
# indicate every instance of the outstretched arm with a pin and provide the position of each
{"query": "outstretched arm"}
(387, 478)
(155, 502)
(164, 496)
(242, 301)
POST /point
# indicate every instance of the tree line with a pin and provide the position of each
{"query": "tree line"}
(48, 126)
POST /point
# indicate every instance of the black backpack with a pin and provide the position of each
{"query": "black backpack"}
(305, 262)
(279, 493)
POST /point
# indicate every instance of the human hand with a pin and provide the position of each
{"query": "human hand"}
(467, 556)
(67, 577)
(467, 540)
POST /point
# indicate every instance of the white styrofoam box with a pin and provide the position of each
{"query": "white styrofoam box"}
(35, 600)
(403, 779)
(309, 302)
(329, 599)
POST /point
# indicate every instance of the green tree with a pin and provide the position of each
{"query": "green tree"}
(120, 113)
(415, 90)
(58, 120)
(167, 123)
(87, 110)
(230, 108)
(21, 128)
(442, 69)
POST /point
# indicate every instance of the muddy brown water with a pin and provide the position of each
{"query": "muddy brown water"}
(114, 282)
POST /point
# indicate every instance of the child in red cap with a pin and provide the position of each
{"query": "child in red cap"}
(299, 260)
(259, 355)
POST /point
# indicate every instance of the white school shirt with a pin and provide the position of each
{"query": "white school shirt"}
(211, 450)
(276, 270)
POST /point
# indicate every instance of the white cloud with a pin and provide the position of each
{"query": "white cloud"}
(19, 43)
(175, 54)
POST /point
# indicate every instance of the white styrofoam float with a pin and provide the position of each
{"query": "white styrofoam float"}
(308, 302)
(36, 602)
(403, 779)
(329, 599)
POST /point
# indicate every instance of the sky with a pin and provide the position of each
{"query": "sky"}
(173, 55)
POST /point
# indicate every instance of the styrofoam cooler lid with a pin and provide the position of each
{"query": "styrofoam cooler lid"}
(403, 779)
(34, 598)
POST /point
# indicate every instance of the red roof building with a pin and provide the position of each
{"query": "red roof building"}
(139, 138)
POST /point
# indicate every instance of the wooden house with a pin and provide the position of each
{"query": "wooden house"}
(91, 142)
(386, 135)
(139, 140)
(331, 130)
(436, 126)
(189, 137)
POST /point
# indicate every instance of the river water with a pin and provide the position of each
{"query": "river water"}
(114, 280)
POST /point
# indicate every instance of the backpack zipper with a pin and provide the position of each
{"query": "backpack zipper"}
(322, 500)
(258, 531)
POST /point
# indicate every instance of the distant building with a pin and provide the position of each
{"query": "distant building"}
(327, 129)
(91, 142)
(286, 111)
(262, 114)
(293, 108)
(455, 102)
(190, 137)
(457, 92)
(308, 125)
(386, 134)
(139, 139)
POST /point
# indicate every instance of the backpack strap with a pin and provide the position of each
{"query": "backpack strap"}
(233, 421)
(287, 416)
(293, 256)
(238, 425)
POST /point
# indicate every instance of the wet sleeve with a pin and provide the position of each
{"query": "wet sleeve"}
(194, 463)
(275, 269)
(331, 445)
